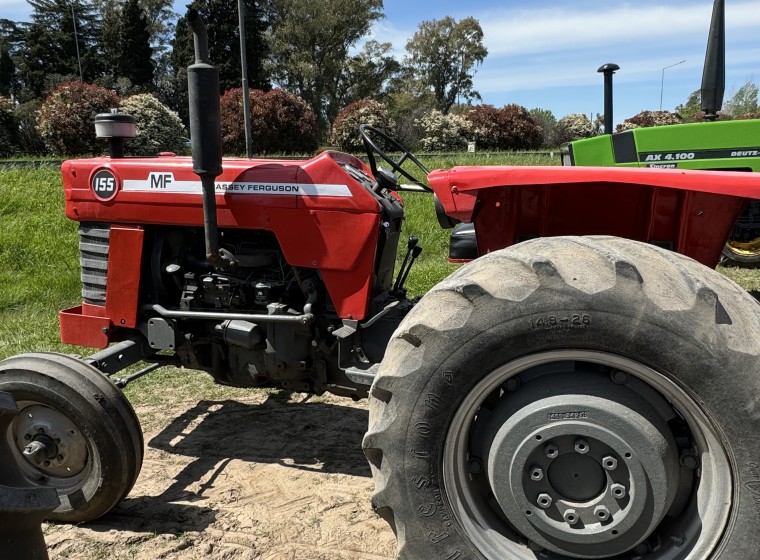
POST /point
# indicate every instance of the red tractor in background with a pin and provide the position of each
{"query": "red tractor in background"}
(587, 388)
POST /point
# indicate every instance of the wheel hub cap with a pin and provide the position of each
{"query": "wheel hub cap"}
(586, 470)
(50, 441)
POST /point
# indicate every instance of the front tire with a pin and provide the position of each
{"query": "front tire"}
(85, 438)
(583, 397)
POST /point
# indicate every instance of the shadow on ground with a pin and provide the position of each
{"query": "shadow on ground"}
(307, 436)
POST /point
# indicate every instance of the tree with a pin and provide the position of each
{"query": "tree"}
(309, 43)
(548, 123)
(442, 56)
(221, 18)
(8, 43)
(135, 63)
(743, 102)
(8, 128)
(51, 41)
(368, 74)
(406, 108)
(691, 110)
(161, 18)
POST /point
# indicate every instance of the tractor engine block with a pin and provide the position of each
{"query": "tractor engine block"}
(259, 282)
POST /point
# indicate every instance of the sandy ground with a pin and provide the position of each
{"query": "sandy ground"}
(264, 477)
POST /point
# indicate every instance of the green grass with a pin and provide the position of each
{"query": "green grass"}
(39, 262)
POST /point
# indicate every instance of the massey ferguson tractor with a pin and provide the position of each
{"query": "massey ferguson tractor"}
(588, 387)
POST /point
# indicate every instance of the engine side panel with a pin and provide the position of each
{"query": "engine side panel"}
(323, 217)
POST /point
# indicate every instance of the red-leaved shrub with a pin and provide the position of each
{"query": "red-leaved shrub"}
(281, 123)
(648, 118)
(66, 120)
(509, 128)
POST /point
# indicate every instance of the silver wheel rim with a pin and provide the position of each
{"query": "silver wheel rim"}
(496, 534)
(75, 467)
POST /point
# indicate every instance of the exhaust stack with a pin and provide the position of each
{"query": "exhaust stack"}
(206, 135)
(714, 73)
(608, 70)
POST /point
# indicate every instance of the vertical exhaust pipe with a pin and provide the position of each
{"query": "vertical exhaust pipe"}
(608, 70)
(714, 73)
(206, 134)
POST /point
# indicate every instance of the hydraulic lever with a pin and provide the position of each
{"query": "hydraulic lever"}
(413, 249)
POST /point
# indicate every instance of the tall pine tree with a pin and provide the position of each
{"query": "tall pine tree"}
(135, 61)
(221, 18)
(49, 55)
(110, 37)
(8, 32)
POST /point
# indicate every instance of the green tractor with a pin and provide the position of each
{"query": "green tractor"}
(712, 145)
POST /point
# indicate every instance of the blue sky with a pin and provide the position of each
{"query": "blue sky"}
(545, 54)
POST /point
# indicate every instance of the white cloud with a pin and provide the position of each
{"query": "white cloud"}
(513, 32)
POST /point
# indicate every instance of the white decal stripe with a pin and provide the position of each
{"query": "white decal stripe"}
(191, 187)
(222, 187)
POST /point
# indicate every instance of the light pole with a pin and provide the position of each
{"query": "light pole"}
(76, 41)
(244, 69)
(662, 82)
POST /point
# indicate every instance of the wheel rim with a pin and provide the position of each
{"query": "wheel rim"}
(748, 249)
(63, 458)
(585, 455)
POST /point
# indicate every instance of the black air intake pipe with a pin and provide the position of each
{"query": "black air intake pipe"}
(206, 134)
(714, 73)
(608, 70)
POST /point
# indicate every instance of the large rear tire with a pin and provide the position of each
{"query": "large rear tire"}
(87, 442)
(585, 397)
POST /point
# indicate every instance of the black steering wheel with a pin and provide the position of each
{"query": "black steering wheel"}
(372, 148)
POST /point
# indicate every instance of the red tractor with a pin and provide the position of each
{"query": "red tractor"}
(587, 388)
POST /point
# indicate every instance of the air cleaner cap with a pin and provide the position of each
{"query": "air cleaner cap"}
(114, 125)
(609, 67)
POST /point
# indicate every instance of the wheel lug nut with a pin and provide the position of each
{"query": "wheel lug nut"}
(609, 463)
(618, 490)
(536, 474)
(571, 516)
(581, 446)
(619, 377)
(475, 465)
(601, 513)
(544, 500)
(551, 451)
(512, 384)
(689, 461)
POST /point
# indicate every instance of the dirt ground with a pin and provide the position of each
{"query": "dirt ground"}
(267, 476)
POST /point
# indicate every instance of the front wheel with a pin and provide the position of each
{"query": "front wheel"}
(571, 398)
(75, 432)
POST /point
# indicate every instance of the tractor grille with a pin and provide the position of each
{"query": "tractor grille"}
(93, 247)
